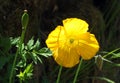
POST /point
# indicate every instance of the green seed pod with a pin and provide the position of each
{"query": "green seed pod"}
(25, 19)
(99, 61)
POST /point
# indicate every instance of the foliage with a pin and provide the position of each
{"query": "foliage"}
(27, 73)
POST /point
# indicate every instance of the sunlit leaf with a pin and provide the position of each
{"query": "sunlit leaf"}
(104, 79)
(34, 58)
(37, 44)
(116, 55)
(30, 44)
(45, 52)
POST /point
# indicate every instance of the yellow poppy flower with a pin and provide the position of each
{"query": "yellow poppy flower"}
(72, 41)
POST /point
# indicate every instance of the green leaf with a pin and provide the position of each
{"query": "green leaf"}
(104, 79)
(37, 45)
(14, 41)
(116, 55)
(21, 76)
(39, 59)
(115, 64)
(109, 53)
(21, 64)
(34, 57)
(45, 52)
(30, 44)
(28, 69)
(27, 73)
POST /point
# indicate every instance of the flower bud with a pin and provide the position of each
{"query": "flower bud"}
(99, 61)
(25, 19)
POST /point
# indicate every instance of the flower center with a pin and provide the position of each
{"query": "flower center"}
(71, 41)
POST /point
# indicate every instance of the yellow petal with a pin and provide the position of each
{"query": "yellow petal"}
(54, 37)
(75, 26)
(88, 49)
(66, 57)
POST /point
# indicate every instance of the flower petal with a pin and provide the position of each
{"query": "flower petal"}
(54, 37)
(75, 25)
(88, 49)
(66, 57)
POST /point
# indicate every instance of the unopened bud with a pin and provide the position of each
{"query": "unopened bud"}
(25, 19)
(99, 61)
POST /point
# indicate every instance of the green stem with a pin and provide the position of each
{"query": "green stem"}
(15, 59)
(12, 71)
(77, 72)
(59, 74)
(106, 55)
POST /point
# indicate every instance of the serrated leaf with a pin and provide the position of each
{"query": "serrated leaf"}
(14, 41)
(21, 64)
(33, 56)
(45, 52)
(39, 59)
(37, 45)
(27, 73)
(28, 69)
(30, 44)
(21, 76)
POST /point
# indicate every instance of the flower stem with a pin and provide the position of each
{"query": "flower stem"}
(59, 74)
(77, 72)
(25, 19)
(13, 66)
(15, 59)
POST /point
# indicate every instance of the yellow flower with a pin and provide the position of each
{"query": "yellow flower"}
(72, 41)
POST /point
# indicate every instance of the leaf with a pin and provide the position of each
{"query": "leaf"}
(30, 44)
(27, 73)
(21, 76)
(14, 41)
(28, 69)
(117, 55)
(103, 78)
(109, 53)
(34, 57)
(21, 63)
(39, 59)
(115, 64)
(45, 52)
(37, 45)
